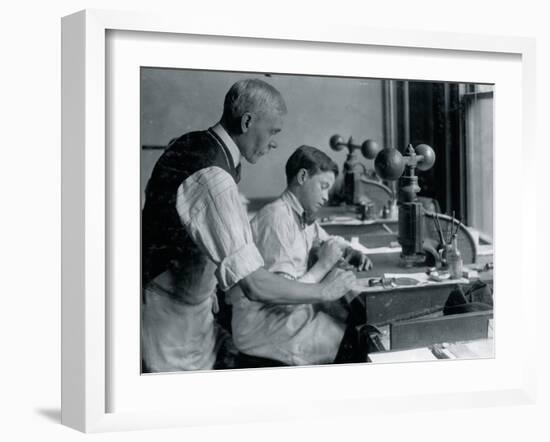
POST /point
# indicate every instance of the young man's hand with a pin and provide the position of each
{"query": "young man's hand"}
(357, 260)
(329, 253)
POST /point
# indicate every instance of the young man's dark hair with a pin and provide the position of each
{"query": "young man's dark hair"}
(311, 159)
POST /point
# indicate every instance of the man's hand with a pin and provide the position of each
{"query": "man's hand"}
(336, 284)
(358, 260)
(330, 252)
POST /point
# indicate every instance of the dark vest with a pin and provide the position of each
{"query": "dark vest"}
(165, 242)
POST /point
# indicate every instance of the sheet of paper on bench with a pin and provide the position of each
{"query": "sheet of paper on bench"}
(423, 278)
(481, 348)
(362, 285)
(355, 244)
(347, 220)
(415, 354)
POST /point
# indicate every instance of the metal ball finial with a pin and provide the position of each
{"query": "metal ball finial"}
(336, 142)
(428, 157)
(389, 164)
(369, 148)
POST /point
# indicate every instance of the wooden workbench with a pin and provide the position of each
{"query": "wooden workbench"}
(412, 315)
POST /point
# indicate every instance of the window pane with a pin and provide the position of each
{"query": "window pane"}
(479, 157)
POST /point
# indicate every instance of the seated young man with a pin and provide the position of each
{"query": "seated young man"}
(301, 333)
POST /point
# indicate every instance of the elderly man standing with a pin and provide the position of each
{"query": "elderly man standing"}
(196, 234)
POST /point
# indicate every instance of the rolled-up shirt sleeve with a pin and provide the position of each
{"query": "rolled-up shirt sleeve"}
(211, 211)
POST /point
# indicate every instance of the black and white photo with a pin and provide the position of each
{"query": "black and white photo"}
(301, 220)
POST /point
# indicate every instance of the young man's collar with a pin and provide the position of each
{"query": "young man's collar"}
(219, 130)
(293, 202)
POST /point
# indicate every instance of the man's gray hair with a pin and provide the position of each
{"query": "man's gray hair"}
(251, 95)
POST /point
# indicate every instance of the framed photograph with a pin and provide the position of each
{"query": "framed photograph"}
(133, 83)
